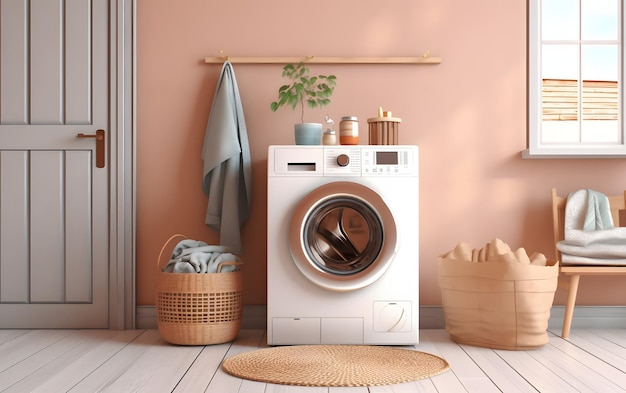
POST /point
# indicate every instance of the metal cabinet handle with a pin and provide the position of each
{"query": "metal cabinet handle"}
(100, 142)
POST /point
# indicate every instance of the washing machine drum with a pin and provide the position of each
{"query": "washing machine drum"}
(342, 236)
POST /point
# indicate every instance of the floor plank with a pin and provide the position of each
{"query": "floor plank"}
(540, 377)
(159, 368)
(203, 369)
(448, 381)
(609, 348)
(10, 335)
(499, 372)
(102, 378)
(28, 344)
(35, 368)
(573, 370)
(223, 382)
(466, 370)
(79, 369)
(51, 361)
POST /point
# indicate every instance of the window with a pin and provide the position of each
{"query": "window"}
(575, 78)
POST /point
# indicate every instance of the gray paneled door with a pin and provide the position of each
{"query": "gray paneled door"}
(54, 211)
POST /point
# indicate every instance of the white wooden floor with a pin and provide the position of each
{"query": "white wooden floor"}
(138, 361)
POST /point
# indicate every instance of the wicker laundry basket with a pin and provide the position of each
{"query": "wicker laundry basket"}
(501, 305)
(198, 309)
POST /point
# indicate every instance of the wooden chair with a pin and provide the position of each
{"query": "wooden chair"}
(617, 203)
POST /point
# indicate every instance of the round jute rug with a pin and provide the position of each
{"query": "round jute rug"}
(334, 365)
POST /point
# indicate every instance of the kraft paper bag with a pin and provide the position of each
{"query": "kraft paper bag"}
(500, 303)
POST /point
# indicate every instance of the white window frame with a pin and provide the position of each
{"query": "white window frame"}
(537, 149)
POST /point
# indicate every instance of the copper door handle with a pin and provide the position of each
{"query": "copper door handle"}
(99, 135)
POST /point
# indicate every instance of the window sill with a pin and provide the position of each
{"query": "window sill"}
(526, 155)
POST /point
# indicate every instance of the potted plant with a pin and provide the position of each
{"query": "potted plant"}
(304, 89)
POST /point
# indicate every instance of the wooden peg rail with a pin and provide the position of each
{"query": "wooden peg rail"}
(425, 59)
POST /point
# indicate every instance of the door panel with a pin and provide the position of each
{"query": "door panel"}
(14, 226)
(46, 227)
(78, 232)
(14, 55)
(46, 61)
(77, 62)
(54, 212)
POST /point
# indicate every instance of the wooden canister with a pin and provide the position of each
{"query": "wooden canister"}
(384, 130)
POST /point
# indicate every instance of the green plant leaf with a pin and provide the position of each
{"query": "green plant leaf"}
(315, 90)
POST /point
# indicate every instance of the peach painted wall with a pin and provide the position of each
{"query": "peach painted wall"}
(468, 116)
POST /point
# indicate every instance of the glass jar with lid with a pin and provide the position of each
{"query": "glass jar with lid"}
(349, 130)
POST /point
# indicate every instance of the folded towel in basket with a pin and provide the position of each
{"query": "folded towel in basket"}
(192, 256)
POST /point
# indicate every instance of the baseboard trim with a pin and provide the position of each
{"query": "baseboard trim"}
(431, 317)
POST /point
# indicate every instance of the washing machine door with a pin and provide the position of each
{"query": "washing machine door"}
(342, 236)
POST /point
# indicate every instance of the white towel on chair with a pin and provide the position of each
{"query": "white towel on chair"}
(595, 250)
(567, 259)
(588, 220)
(598, 215)
(589, 233)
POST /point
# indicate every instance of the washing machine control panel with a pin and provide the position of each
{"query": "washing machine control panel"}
(370, 160)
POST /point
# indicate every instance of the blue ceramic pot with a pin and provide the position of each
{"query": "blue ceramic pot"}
(308, 133)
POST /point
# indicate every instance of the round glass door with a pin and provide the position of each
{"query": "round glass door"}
(343, 236)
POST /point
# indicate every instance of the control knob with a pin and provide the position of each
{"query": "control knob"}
(343, 160)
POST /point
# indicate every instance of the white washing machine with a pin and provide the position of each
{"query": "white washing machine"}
(342, 245)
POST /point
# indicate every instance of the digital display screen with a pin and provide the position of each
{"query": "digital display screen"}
(386, 158)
